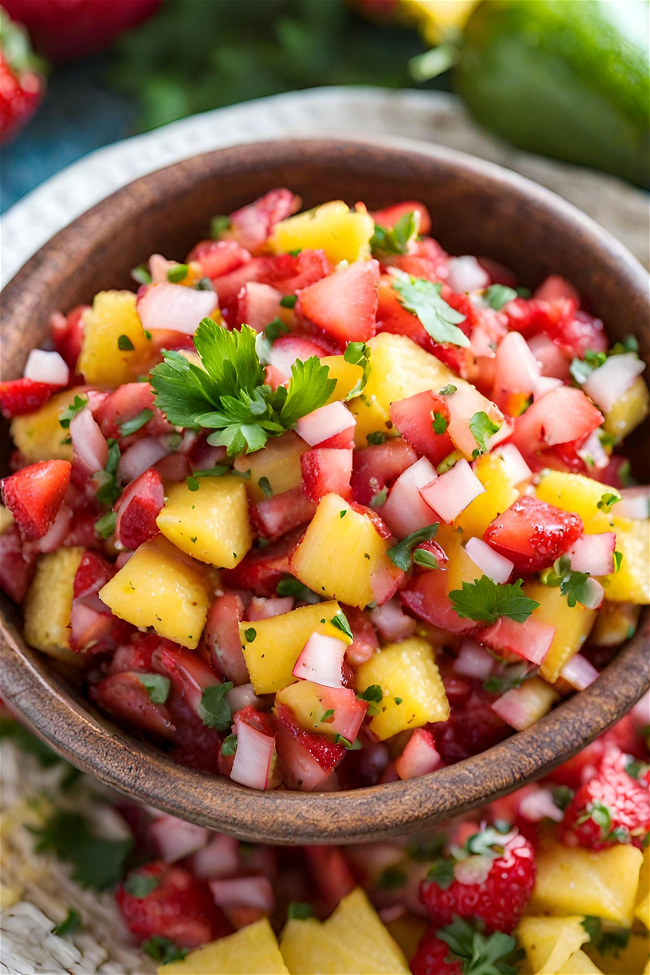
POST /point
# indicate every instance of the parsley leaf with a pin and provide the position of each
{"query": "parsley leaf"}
(608, 500)
(229, 745)
(400, 554)
(483, 427)
(70, 925)
(441, 872)
(573, 585)
(71, 411)
(96, 862)
(309, 388)
(439, 423)
(358, 353)
(340, 622)
(214, 710)
(373, 696)
(157, 686)
(396, 240)
(581, 369)
(163, 951)
(479, 954)
(485, 601)
(299, 910)
(130, 426)
(177, 273)
(498, 295)
(350, 746)
(217, 226)
(422, 299)
(141, 274)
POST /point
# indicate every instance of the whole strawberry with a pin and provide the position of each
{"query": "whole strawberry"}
(490, 878)
(612, 807)
(462, 949)
(21, 83)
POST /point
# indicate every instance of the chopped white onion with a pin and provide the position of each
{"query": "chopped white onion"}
(593, 554)
(176, 839)
(540, 805)
(497, 567)
(516, 468)
(255, 892)
(419, 757)
(634, 503)
(158, 268)
(610, 381)
(522, 706)
(175, 307)
(138, 458)
(218, 859)
(54, 536)
(466, 274)
(405, 510)
(517, 370)
(46, 367)
(550, 358)
(595, 594)
(252, 764)
(544, 384)
(473, 660)
(392, 622)
(261, 608)
(243, 696)
(321, 660)
(325, 422)
(579, 672)
(451, 493)
(88, 442)
(593, 453)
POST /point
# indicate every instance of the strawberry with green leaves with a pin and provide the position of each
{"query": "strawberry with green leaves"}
(21, 82)
(462, 949)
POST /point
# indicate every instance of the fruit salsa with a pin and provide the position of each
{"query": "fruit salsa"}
(551, 879)
(323, 506)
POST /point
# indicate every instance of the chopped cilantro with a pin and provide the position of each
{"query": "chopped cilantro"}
(299, 910)
(214, 710)
(288, 301)
(608, 500)
(130, 426)
(392, 878)
(140, 885)
(358, 354)
(177, 273)
(581, 369)
(482, 428)
(376, 437)
(628, 344)
(105, 526)
(157, 686)
(163, 951)
(498, 295)
(217, 226)
(328, 715)
(141, 274)
(343, 513)
(373, 696)
(422, 298)
(379, 498)
(71, 411)
(340, 622)
(448, 462)
(400, 554)
(294, 587)
(396, 240)
(265, 486)
(250, 634)
(485, 601)
(618, 558)
(229, 745)
(70, 925)
(350, 746)
(96, 862)
(218, 471)
(507, 677)
(108, 490)
(439, 423)
(448, 390)
(573, 585)
(424, 559)
(125, 344)
(441, 872)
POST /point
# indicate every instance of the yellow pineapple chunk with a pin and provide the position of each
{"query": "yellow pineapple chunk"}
(308, 701)
(549, 942)
(253, 950)
(400, 368)
(631, 584)
(572, 626)
(39, 435)
(599, 883)
(413, 692)
(278, 462)
(615, 623)
(579, 964)
(101, 361)
(48, 604)
(160, 587)
(352, 940)
(272, 646)
(346, 374)
(499, 495)
(211, 523)
(342, 233)
(341, 555)
(629, 410)
(575, 492)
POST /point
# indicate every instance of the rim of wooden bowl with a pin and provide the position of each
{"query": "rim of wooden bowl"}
(81, 260)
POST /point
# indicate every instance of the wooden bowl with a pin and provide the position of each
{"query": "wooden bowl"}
(476, 208)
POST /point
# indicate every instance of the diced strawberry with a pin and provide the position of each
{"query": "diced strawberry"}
(17, 564)
(419, 756)
(257, 305)
(531, 639)
(472, 727)
(561, 416)
(126, 403)
(228, 286)
(67, 334)
(173, 467)
(533, 534)
(94, 572)
(325, 471)
(426, 595)
(365, 641)
(389, 216)
(292, 272)
(21, 396)
(377, 465)
(136, 654)
(253, 224)
(287, 348)
(306, 758)
(330, 874)
(414, 418)
(137, 509)
(262, 569)
(344, 304)
(584, 766)
(278, 515)
(556, 288)
(179, 907)
(35, 494)
(188, 671)
(125, 697)
(221, 638)
(219, 257)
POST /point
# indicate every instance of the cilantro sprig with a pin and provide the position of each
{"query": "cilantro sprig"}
(400, 554)
(478, 953)
(358, 353)
(574, 585)
(396, 240)
(422, 298)
(482, 428)
(498, 295)
(485, 601)
(229, 395)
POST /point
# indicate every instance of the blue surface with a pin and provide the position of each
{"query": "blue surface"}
(80, 113)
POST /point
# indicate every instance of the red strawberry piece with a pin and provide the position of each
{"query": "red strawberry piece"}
(326, 470)
(262, 569)
(138, 508)
(218, 257)
(423, 420)
(288, 348)
(377, 465)
(221, 638)
(35, 494)
(427, 596)
(330, 874)
(77, 28)
(93, 573)
(67, 334)
(189, 673)
(136, 654)
(21, 83)
(257, 305)
(292, 272)
(161, 900)
(17, 564)
(562, 416)
(125, 697)
(490, 881)
(20, 396)
(462, 949)
(306, 759)
(127, 403)
(365, 641)
(253, 224)
(389, 216)
(278, 515)
(611, 807)
(533, 534)
(344, 304)
(434, 957)
(472, 727)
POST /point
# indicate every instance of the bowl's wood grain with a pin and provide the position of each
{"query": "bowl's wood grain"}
(476, 208)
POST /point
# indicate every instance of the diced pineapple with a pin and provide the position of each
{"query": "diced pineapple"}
(6, 519)
(615, 623)
(549, 942)
(523, 706)
(253, 950)
(211, 523)
(631, 584)
(629, 410)
(575, 492)
(572, 626)
(352, 940)
(160, 587)
(48, 604)
(347, 375)
(407, 930)
(39, 435)
(499, 495)
(413, 692)
(340, 553)
(310, 702)
(272, 646)
(278, 462)
(599, 883)
(579, 964)
(101, 361)
(342, 233)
